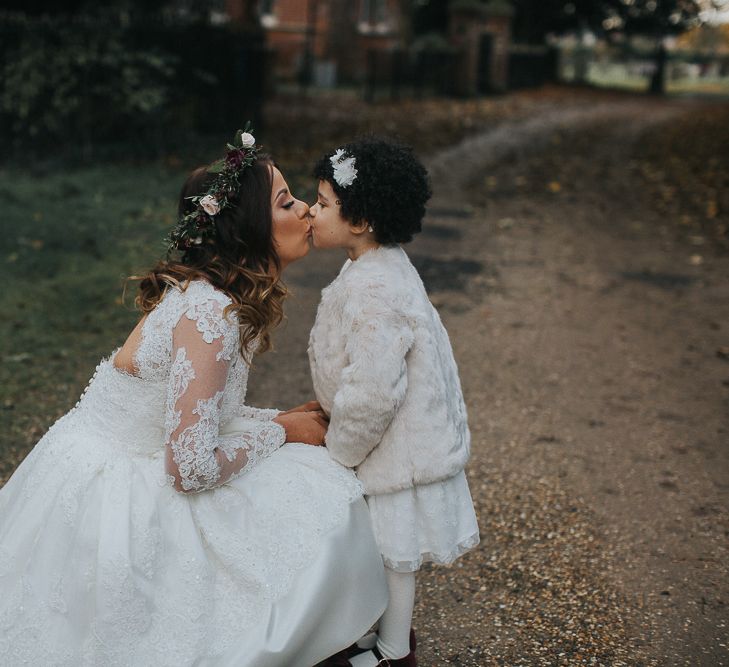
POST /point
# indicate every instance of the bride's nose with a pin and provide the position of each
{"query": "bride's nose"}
(302, 209)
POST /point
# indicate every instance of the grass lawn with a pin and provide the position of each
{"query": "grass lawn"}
(69, 240)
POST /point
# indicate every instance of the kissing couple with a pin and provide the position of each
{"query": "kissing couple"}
(162, 521)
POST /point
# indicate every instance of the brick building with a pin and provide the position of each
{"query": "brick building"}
(481, 31)
(327, 38)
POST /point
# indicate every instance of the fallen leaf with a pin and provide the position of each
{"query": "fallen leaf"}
(712, 209)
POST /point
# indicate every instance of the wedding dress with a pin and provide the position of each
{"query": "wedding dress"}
(104, 562)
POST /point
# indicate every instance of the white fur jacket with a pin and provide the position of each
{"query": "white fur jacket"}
(383, 369)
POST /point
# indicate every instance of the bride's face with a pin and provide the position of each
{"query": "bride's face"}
(291, 228)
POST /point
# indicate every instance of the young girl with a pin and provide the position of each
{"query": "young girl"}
(383, 370)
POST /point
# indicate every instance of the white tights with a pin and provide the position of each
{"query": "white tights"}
(394, 627)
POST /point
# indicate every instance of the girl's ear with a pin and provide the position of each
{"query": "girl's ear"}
(360, 228)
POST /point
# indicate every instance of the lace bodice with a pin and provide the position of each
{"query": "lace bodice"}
(189, 346)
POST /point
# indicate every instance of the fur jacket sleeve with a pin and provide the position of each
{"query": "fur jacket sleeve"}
(373, 384)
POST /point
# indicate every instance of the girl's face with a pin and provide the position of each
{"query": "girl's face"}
(291, 228)
(328, 228)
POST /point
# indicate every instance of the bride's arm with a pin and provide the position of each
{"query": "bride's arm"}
(198, 457)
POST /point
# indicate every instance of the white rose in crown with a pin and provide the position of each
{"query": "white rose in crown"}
(210, 205)
(247, 140)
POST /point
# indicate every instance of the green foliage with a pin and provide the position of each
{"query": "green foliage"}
(648, 17)
(107, 86)
(70, 237)
(198, 226)
(536, 18)
(80, 83)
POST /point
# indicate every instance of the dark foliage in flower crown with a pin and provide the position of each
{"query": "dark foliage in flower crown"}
(198, 226)
(389, 192)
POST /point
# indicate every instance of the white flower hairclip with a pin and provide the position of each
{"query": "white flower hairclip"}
(344, 170)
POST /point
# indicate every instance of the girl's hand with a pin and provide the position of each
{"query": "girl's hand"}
(311, 406)
(309, 427)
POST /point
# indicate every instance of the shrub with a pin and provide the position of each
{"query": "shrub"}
(131, 89)
(79, 83)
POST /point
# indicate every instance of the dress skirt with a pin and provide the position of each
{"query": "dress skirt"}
(103, 563)
(430, 522)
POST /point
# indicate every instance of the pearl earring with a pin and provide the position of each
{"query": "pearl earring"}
(369, 228)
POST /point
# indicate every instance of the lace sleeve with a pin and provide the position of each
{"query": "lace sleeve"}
(261, 414)
(198, 457)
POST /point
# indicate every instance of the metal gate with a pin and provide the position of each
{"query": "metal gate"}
(485, 59)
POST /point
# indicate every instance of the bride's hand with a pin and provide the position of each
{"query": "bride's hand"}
(308, 427)
(311, 406)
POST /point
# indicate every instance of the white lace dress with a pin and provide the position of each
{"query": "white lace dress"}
(103, 562)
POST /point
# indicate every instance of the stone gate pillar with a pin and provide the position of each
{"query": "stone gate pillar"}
(481, 31)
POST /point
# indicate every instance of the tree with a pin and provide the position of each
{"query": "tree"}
(535, 19)
(655, 19)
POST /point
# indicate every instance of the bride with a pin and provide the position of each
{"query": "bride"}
(164, 522)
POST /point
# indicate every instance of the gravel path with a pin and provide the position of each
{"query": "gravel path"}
(590, 347)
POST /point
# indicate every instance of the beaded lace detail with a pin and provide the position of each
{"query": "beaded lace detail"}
(203, 345)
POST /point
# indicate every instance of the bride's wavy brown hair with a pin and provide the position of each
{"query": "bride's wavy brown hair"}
(240, 260)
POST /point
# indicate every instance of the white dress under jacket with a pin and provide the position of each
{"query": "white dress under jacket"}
(383, 368)
(103, 562)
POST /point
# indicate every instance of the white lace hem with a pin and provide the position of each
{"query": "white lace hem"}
(439, 559)
(430, 522)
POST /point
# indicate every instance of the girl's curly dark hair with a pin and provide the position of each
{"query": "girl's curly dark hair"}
(389, 192)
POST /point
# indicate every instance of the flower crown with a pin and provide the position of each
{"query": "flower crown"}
(198, 226)
(344, 168)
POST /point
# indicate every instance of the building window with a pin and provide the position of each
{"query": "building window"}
(267, 12)
(373, 16)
